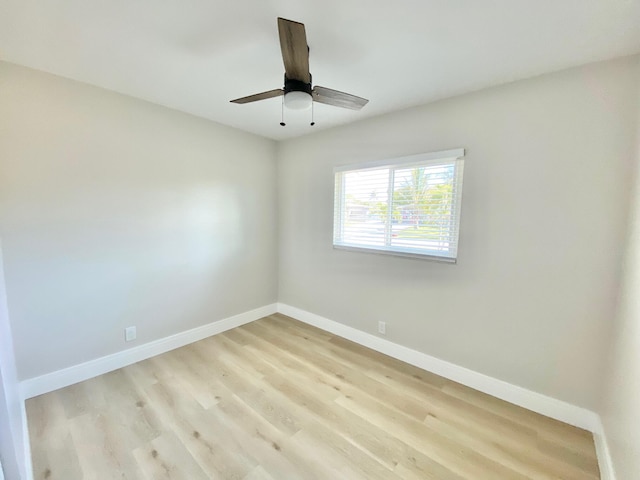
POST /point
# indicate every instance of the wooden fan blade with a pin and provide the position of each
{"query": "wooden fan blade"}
(260, 96)
(338, 99)
(295, 52)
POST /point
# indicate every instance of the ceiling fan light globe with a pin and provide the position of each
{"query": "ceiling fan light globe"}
(297, 100)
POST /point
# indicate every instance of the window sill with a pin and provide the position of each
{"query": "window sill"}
(396, 253)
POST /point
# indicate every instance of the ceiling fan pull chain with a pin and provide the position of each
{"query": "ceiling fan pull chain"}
(282, 124)
(312, 121)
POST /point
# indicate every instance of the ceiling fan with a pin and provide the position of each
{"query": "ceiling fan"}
(298, 91)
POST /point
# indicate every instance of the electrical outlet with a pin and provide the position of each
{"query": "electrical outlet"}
(130, 333)
(382, 328)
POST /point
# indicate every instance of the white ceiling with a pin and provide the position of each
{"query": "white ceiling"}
(196, 55)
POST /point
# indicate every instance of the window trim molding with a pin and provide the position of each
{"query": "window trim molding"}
(420, 158)
(453, 155)
(396, 253)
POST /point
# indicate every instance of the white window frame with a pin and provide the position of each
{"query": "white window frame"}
(448, 157)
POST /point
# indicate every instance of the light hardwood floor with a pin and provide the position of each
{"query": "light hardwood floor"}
(277, 399)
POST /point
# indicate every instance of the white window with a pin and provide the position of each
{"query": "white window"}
(408, 206)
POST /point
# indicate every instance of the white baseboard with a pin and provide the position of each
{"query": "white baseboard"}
(605, 462)
(550, 407)
(78, 373)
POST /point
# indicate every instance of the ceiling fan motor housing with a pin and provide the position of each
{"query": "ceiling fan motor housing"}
(291, 85)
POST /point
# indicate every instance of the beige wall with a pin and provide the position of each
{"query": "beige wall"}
(118, 212)
(621, 390)
(544, 207)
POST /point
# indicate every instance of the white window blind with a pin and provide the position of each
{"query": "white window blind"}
(408, 206)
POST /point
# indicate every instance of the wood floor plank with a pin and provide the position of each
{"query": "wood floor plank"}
(104, 448)
(384, 448)
(219, 456)
(81, 398)
(458, 457)
(270, 446)
(258, 473)
(575, 438)
(52, 448)
(277, 399)
(166, 457)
